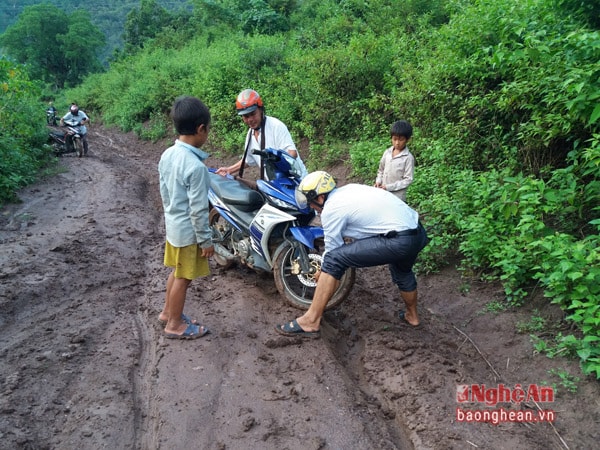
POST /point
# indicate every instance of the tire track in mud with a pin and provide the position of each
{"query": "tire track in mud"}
(137, 375)
(46, 318)
(144, 372)
(65, 245)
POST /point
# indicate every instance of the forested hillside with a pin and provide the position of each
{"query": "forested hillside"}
(504, 97)
(108, 15)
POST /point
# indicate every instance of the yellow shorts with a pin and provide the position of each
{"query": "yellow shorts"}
(188, 262)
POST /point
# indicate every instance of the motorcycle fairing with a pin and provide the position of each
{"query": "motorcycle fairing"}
(262, 226)
(307, 235)
(233, 215)
(58, 134)
(235, 201)
(283, 165)
(282, 189)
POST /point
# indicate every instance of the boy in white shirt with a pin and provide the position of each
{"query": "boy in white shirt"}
(397, 165)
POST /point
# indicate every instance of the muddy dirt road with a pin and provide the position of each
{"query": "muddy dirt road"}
(83, 364)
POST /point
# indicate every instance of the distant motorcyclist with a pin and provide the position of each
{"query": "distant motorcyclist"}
(51, 114)
(76, 115)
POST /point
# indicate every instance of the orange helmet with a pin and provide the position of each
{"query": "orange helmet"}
(247, 101)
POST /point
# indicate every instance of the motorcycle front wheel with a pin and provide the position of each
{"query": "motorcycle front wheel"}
(297, 288)
(78, 147)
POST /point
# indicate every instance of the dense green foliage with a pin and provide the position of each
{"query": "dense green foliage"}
(144, 23)
(504, 97)
(56, 47)
(108, 16)
(22, 150)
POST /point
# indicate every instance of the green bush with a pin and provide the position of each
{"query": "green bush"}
(22, 150)
(365, 157)
(569, 271)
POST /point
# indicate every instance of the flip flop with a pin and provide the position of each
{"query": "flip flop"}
(402, 316)
(293, 329)
(185, 318)
(191, 332)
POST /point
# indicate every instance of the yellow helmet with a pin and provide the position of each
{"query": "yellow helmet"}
(313, 185)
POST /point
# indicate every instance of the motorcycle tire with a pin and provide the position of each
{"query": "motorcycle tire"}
(221, 230)
(57, 149)
(78, 147)
(298, 289)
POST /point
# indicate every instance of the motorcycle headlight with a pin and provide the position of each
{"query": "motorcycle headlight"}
(280, 203)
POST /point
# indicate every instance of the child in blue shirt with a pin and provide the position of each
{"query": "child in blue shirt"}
(184, 184)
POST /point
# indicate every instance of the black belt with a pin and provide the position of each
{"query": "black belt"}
(392, 234)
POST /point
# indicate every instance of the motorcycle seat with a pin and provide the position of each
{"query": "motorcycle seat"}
(234, 192)
(58, 134)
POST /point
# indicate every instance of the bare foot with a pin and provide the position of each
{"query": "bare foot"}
(409, 318)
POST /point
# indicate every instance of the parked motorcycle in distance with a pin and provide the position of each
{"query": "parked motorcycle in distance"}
(51, 118)
(66, 139)
(265, 230)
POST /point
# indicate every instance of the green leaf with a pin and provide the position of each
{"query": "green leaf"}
(584, 353)
(595, 115)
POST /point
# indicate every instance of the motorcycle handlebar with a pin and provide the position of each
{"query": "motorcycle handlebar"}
(266, 155)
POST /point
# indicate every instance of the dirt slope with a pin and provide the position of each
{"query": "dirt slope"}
(83, 364)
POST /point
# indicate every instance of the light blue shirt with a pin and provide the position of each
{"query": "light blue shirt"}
(358, 211)
(184, 184)
(79, 117)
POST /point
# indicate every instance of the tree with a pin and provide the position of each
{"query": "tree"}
(79, 47)
(250, 16)
(260, 16)
(144, 23)
(21, 153)
(54, 46)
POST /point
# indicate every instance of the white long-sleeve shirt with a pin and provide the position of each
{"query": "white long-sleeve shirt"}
(358, 211)
(396, 172)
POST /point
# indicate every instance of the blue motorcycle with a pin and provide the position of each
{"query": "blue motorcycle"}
(264, 229)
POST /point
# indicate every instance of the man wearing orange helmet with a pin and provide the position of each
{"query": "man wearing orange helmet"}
(264, 132)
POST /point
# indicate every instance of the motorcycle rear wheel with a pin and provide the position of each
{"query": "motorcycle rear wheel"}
(221, 231)
(299, 289)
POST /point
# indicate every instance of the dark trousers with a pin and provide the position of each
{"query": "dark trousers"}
(399, 252)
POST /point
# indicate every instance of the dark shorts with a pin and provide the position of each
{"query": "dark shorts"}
(399, 252)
